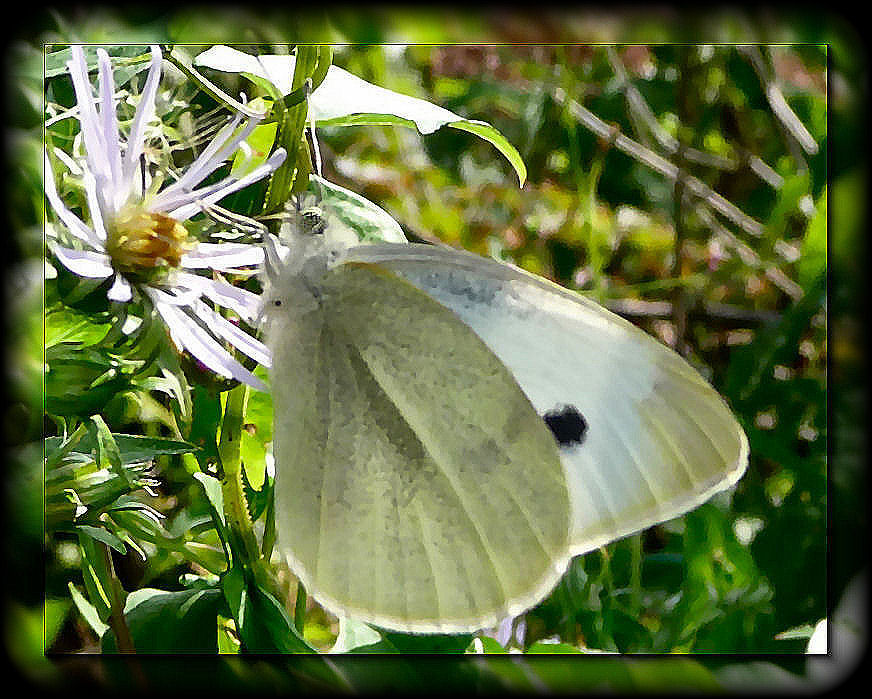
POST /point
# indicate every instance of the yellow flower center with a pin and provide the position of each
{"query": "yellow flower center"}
(143, 245)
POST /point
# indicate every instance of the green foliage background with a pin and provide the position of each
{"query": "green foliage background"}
(749, 572)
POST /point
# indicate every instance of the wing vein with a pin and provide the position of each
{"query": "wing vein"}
(449, 477)
(427, 544)
(634, 459)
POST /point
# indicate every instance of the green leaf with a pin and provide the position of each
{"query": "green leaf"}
(260, 140)
(257, 433)
(263, 624)
(559, 674)
(484, 130)
(212, 488)
(343, 99)
(132, 448)
(354, 634)
(55, 611)
(813, 258)
(28, 632)
(127, 61)
(392, 642)
(791, 191)
(88, 611)
(67, 325)
(762, 674)
(100, 534)
(96, 577)
(488, 645)
(227, 641)
(672, 674)
(803, 632)
(80, 382)
(171, 622)
(206, 407)
(342, 207)
(108, 454)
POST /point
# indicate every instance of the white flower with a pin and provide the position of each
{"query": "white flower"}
(138, 237)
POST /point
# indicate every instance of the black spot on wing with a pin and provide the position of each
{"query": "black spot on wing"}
(567, 425)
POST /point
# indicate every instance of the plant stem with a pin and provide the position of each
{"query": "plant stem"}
(229, 451)
(243, 541)
(116, 606)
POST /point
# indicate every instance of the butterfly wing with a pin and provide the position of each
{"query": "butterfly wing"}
(645, 438)
(416, 486)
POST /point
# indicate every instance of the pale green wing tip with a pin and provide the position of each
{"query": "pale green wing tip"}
(676, 507)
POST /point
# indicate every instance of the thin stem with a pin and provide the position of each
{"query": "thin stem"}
(640, 109)
(180, 61)
(679, 294)
(782, 111)
(243, 541)
(680, 300)
(290, 176)
(116, 606)
(612, 134)
(229, 451)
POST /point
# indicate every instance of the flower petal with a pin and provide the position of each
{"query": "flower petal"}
(190, 336)
(230, 185)
(71, 164)
(178, 296)
(121, 291)
(204, 164)
(222, 256)
(85, 263)
(109, 125)
(173, 197)
(245, 343)
(98, 158)
(245, 303)
(504, 631)
(73, 223)
(144, 114)
(94, 205)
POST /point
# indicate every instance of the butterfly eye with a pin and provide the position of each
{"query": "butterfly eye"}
(567, 425)
(313, 220)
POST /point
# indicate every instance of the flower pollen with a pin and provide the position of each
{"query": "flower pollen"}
(140, 242)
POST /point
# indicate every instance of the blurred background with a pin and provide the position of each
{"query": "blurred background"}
(749, 265)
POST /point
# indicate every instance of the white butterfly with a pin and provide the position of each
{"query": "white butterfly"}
(450, 430)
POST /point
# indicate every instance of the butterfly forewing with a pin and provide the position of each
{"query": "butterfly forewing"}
(658, 440)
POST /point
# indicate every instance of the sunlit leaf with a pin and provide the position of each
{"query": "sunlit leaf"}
(343, 99)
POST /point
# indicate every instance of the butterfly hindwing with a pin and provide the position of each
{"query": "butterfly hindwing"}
(416, 486)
